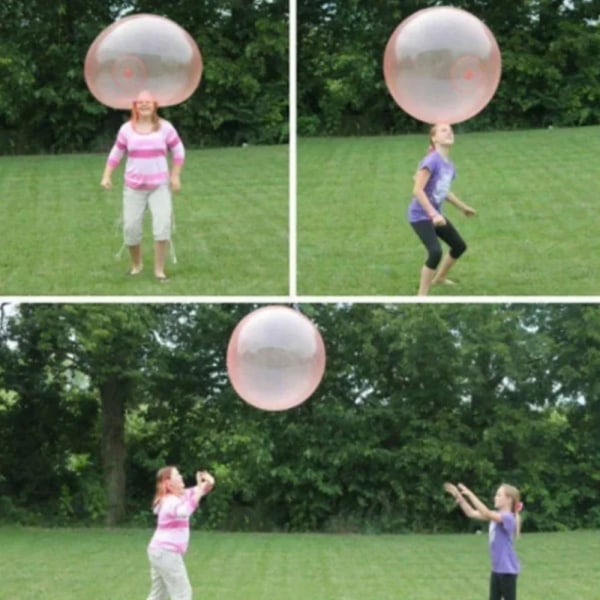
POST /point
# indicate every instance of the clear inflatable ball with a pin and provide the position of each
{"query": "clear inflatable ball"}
(275, 358)
(143, 53)
(442, 65)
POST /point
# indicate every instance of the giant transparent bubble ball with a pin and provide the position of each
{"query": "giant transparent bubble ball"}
(275, 358)
(442, 65)
(143, 53)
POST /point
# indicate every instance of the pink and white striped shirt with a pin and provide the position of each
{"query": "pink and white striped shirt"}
(146, 166)
(173, 526)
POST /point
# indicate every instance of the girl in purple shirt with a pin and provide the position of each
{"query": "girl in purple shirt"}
(431, 188)
(505, 526)
(173, 505)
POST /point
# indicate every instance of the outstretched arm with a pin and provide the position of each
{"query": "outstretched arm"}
(464, 505)
(482, 509)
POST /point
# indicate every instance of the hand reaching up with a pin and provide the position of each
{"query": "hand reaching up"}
(205, 481)
(463, 489)
(452, 490)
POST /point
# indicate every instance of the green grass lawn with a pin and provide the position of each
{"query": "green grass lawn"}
(60, 233)
(95, 565)
(536, 193)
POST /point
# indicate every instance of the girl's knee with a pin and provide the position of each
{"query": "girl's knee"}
(458, 249)
(184, 592)
(161, 228)
(434, 257)
(132, 234)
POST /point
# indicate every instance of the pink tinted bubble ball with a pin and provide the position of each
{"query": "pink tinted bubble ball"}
(275, 358)
(143, 53)
(442, 65)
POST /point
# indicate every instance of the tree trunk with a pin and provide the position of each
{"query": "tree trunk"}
(113, 396)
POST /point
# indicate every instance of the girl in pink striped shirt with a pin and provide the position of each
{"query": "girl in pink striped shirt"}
(146, 138)
(173, 505)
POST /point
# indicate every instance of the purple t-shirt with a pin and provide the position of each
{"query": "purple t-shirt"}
(502, 552)
(437, 188)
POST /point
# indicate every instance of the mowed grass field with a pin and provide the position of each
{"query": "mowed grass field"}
(96, 564)
(535, 234)
(60, 229)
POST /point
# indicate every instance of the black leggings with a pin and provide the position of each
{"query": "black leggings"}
(503, 586)
(429, 235)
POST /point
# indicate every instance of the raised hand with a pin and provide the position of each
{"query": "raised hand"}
(205, 481)
(438, 220)
(463, 489)
(452, 490)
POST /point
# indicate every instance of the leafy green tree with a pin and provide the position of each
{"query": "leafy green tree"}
(111, 343)
(107, 344)
(575, 369)
(44, 415)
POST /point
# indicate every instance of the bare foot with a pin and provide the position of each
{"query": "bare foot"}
(443, 282)
(135, 270)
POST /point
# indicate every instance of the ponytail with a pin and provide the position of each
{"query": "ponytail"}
(431, 144)
(517, 506)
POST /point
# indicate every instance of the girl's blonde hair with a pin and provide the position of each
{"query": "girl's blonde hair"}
(163, 476)
(515, 507)
(432, 131)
